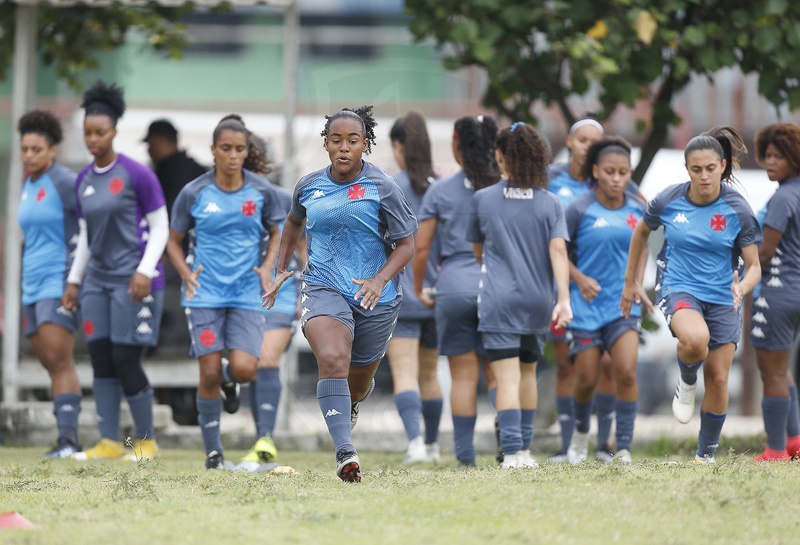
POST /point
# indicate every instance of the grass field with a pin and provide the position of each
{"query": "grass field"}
(172, 500)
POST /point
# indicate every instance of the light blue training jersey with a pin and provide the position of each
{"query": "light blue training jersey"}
(599, 241)
(352, 228)
(702, 242)
(229, 227)
(47, 218)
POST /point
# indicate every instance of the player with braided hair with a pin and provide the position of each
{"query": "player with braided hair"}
(518, 234)
(444, 216)
(230, 210)
(123, 232)
(49, 225)
(360, 236)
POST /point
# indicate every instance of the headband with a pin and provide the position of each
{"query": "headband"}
(516, 125)
(613, 148)
(583, 122)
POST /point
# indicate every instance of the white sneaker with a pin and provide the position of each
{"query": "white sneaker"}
(623, 456)
(683, 402)
(511, 461)
(434, 455)
(704, 459)
(526, 460)
(416, 452)
(578, 448)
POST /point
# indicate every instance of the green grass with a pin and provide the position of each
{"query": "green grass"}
(173, 500)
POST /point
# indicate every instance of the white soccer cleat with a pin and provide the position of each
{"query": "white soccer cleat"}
(578, 449)
(623, 456)
(511, 461)
(434, 455)
(526, 460)
(704, 459)
(417, 452)
(683, 402)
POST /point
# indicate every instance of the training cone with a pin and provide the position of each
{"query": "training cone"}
(13, 519)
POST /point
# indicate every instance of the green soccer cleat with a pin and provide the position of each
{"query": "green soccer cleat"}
(263, 451)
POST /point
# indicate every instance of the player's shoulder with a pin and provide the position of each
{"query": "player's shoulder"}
(581, 202)
(734, 198)
(62, 175)
(378, 176)
(310, 178)
(84, 172)
(134, 167)
(557, 170)
(672, 193)
(194, 187)
(635, 201)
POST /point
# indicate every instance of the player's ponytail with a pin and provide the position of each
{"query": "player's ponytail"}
(411, 132)
(726, 142)
(476, 140)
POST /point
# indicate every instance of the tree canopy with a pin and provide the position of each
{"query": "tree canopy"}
(630, 49)
(72, 38)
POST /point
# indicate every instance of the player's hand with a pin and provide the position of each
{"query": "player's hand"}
(736, 290)
(562, 314)
(589, 287)
(265, 275)
(272, 290)
(191, 282)
(370, 292)
(139, 286)
(69, 300)
(629, 294)
(425, 298)
(643, 299)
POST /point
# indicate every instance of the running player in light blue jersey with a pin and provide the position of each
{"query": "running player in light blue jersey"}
(566, 183)
(123, 232)
(47, 218)
(708, 230)
(229, 210)
(359, 229)
(412, 351)
(518, 233)
(444, 217)
(600, 224)
(279, 328)
(775, 319)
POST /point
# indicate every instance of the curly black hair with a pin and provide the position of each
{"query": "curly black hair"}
(476, 140)
(104, 99)
(607, 144)
(786, 139)
(526, 156)
(363, 115)
(411, 131)
(41, 122)
(257, 160)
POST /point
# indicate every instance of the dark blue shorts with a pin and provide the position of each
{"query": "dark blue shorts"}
(775, 320)
(424, 330)
(215, 329)
(501, 346)
(48, 311)
(280, 320)
(371, 329)
(457, 324)
(604, 338)
(724, 324)
(108, 312)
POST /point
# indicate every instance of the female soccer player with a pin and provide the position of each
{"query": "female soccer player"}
(776, 312)
(708, 226)
(47, 218)
(567, 183)
(445, 215)
(360, 236)
(412, 350)
(600, 223)
(123, 232)
(230, 209)
(279, 327)
(518, 233)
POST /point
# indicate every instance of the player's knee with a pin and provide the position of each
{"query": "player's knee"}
(695, 346)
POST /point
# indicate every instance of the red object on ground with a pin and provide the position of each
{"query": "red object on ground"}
(12, 519)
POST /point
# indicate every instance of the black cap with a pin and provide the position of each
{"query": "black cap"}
(161, 127)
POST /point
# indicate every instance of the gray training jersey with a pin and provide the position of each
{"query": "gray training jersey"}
(515, 227)
(448, 202)
(114, 204)
(783, 215)
(412, 308)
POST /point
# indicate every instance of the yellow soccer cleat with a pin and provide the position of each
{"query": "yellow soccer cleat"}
(105, 449)
(263, 451)
(144, 449)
